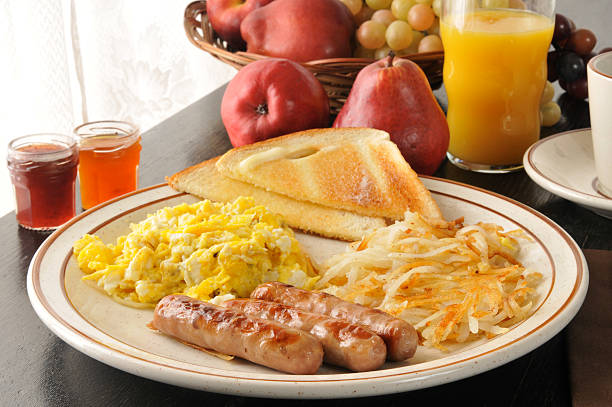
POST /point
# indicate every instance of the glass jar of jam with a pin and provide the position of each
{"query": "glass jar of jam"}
(43, 170)
(109, 157)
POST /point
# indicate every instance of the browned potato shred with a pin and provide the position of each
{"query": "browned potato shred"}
(453, 282)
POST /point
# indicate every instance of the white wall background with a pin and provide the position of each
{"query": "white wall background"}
(134, 59)
(64, 62)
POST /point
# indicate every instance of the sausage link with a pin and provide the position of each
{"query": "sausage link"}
(344, 344)
(400, 337)
(234, 333)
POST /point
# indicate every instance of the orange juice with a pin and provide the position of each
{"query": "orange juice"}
(494, 73)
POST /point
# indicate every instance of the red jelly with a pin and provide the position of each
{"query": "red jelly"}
(43, 170)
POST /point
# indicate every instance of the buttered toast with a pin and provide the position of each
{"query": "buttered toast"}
(204, 181)
(358, 170)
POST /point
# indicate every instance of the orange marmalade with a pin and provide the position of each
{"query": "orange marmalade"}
(109, 157)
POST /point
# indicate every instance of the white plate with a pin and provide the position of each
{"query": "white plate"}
(116, 335)
(563, 165)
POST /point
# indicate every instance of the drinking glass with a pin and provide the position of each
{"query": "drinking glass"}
(494, 73)
(109, 154)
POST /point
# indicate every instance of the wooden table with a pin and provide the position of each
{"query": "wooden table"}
(40, 369)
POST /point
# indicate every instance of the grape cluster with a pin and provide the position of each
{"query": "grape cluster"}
(573, 50)
(404, 26)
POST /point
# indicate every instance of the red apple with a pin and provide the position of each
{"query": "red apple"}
(225, 17)
(300, 30)
(272, 97)
(393, 95)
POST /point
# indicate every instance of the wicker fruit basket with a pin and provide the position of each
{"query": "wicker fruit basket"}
(336, 75)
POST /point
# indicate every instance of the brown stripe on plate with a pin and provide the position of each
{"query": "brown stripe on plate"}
(541, 174)
(572, 245)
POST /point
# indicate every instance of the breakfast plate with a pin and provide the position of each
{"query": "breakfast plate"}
(117, 335)
(563, 165)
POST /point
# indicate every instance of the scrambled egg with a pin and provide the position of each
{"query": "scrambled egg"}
(209, 251)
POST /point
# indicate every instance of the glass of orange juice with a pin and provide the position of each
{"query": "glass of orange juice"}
(109, 154)
(494, 74)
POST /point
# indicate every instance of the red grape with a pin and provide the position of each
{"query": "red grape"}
(587, 58)
(576, 111)
(582, 42)
(570, 67)
(560, 46)
(551, 60)
(562, 28)
(579, 88)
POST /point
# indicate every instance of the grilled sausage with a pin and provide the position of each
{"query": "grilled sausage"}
(344, 344)
(234, 333)
(399, 336)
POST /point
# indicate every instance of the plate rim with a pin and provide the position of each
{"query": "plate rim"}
(514, 348)
(593, 201)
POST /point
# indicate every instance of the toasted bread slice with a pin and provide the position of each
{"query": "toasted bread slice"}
(204, 181)
(355, 169)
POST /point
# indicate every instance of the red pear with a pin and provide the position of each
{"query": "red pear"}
(393, 95)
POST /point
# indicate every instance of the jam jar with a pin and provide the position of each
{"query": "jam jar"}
(109, 154)
(43, 169)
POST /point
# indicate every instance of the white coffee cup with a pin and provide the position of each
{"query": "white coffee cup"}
(599, 74)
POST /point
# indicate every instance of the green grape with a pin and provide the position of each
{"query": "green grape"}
(378, 4)
(421, 17)
(382, 52)
(541, 117)
(437, 7)
(361, 52)
(364, 15)
(399, 35)
(431, 43)
(427, 2)
(400, 8)
(551, 114)
(518, 4)
(435, 27)
(417, 36)
(496, 3)
(548, 93)
(353, 5)
(371, 34)
(384, 17)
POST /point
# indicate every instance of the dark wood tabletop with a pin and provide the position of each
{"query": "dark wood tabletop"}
(38, 368)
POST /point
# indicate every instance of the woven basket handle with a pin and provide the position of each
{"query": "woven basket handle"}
(196, 24)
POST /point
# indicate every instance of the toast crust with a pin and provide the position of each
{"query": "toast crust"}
(205, 181)
(354, 169)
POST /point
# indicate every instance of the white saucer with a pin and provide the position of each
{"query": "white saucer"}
(563, 165)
